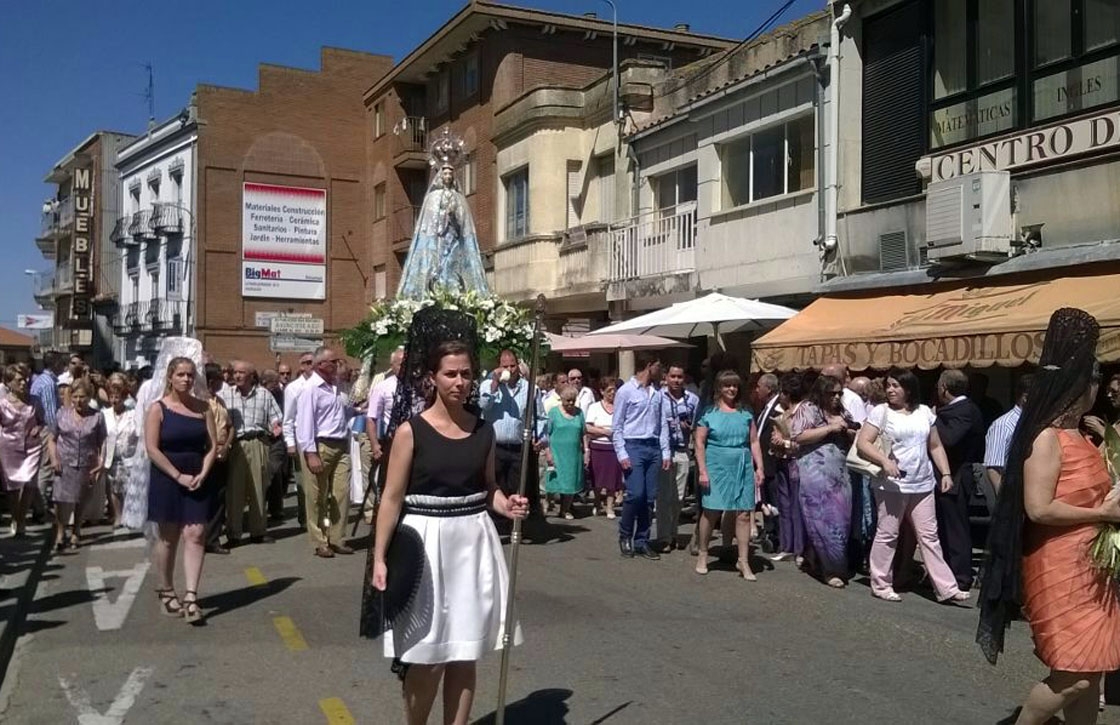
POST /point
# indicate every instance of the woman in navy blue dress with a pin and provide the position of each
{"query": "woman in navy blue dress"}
(180, 438)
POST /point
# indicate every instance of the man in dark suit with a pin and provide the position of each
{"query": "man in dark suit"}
(766, 392)
(960, 424)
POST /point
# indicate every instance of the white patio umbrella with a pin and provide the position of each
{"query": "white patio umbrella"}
(712, 314)
(609, 343)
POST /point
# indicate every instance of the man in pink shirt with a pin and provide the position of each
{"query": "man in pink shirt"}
(322, 438)
(379, 411)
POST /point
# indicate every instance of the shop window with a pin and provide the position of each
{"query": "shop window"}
(674, 188)
(1102, 24)
(379, 202)
(776, 161)
(517, 204)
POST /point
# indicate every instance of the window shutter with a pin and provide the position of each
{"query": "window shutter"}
(893, 121)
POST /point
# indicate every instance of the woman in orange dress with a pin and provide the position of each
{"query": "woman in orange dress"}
(1055, 494)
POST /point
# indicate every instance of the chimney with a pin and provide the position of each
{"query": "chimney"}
(682, 27)
(593, 15)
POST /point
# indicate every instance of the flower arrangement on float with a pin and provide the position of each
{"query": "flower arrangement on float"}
(1104, 550)
(502, 324)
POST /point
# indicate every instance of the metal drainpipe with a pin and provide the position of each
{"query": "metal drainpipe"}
(831, 190)
(821, 211)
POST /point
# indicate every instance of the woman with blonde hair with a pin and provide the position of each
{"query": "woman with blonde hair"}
(730, 461)
(75, 451)
(181, 441)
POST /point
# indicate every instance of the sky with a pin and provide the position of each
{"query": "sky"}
(71, 67)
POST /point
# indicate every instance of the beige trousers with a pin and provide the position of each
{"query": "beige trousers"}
(248, 472)
(327, 494)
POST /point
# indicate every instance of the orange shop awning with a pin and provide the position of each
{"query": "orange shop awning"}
(975, 323)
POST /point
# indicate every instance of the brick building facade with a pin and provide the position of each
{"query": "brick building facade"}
(480, 62)
(300, 128)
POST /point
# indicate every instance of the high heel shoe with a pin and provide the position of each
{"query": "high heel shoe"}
(191, 611)
(744, 568)
(169, 602)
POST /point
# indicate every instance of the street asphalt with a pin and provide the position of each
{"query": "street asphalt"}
(608, 640)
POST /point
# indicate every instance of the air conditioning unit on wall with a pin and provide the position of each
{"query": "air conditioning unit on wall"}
(969, 218)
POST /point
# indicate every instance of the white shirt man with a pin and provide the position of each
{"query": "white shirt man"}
(585, 398)
(291, 398)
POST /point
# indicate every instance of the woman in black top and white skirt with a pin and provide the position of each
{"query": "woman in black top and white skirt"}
(439, 483)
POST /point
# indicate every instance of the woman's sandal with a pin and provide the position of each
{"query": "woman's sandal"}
(701, 566)
(744, 568)
(888, 596)
(191, 610)
(959, 597)
(169, 601)
(835, 582)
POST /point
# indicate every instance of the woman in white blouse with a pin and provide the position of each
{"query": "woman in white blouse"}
(606, 474)
(904, 489)
(122, 436)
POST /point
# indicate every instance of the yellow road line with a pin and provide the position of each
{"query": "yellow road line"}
(335, 710)
(289, 633)
(255, 576)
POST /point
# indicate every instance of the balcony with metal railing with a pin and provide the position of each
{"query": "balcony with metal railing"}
(411, 150)
(140, 227)
(167, 219)
(657, 243)
(120, 236)
(64, 278)
(42, 288)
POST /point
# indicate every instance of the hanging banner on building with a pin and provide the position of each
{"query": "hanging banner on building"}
(291, 281)
(285, 224)
(42, 321)
(81, 196)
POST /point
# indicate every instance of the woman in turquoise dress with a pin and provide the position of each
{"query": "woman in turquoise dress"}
(728, 456)
(567, 453)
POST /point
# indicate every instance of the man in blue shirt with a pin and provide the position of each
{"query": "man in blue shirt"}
(681, 407)
(503, 399)
(640, 435)
(44, 391)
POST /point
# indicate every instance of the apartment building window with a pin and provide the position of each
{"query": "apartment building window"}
(772, 162)
(134, 283)
(467, 76)
(177, 187)
(380, 282)
(175, 276)
(441, 92)
(379, 202)
(153, 288)
(517, 204)
(470, 175)
(379, 119)
(675, 187)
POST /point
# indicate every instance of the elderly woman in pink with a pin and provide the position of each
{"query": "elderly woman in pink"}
(21, 444)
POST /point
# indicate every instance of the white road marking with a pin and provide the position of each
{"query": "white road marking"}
(122, 703)
(111, 614)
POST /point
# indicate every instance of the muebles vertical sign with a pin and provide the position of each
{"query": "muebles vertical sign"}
(283, 242)
(81, 195)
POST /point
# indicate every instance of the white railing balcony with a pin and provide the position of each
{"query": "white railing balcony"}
(657, 243)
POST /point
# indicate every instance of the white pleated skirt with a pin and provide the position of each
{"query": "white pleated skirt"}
(458, 612)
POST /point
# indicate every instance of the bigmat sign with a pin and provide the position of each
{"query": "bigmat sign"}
(283, 242)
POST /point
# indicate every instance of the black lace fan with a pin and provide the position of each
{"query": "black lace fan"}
(405, 558)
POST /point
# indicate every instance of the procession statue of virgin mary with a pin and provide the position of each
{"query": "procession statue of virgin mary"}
(444, 251)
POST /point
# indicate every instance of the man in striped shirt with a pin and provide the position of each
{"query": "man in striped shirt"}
(998, 440)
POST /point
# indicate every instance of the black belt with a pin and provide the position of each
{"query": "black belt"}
(509, 446)
(254, 436)
(444, 510)
(332, 441)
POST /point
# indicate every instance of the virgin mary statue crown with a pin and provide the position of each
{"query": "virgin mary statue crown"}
(446, 150)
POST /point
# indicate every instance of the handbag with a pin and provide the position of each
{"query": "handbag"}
(404, 563)
(858, 464)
